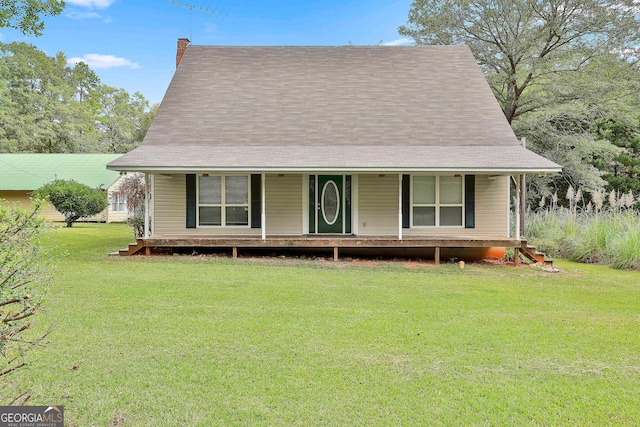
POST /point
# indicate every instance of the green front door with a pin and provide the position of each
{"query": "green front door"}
(330, 209)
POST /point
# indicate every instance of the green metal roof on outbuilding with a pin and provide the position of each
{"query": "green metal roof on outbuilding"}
(31, 171)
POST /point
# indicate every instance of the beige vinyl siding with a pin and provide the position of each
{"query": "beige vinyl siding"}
(170, 208)
(49, 212)
(116, 216)
(284, 204)
(378, 205)
(377, 208)
(20, 198)
(491, 212)
(23, 200)
(169, 205)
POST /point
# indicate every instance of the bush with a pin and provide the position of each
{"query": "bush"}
(25, 274)
(132, 188)
(73, 199)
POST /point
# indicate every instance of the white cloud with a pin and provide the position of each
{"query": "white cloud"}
(97, 61)
(399, 42)
(83, 15)
(91, 4)
(74, 14)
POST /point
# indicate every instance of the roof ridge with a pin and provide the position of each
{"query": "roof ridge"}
(420, 46)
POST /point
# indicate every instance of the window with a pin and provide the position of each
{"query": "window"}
(437, 201)
(117, 203)
(223, 201)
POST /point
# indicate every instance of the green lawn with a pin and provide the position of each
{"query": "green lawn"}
(182, 341)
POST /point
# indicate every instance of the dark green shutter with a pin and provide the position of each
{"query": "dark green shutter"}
(312, 204)
(256, 201)
(470, 201)
(347, 208)
(406, 201)
(191, 200)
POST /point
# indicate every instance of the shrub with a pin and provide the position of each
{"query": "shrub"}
(132, 188)
(25, 274)
(73, 199)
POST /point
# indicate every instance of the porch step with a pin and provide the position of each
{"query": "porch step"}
(535, 256)
(132, 249)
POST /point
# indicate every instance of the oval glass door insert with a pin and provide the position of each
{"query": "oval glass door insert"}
(330, 202)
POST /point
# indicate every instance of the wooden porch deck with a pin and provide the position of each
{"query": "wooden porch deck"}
(335, 242)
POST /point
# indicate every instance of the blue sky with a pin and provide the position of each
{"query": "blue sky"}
(132, 43)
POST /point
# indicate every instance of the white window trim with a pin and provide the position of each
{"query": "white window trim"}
(437, 204)
(223, 204)
(116, 198)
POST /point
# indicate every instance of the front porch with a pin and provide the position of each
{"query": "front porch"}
(461, 216)
(333, 242)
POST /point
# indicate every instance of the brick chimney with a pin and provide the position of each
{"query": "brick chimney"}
(182, 46)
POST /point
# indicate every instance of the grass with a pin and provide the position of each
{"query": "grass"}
(215, 341)
(610, 236)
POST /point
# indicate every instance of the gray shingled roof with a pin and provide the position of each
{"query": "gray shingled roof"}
(330, 108)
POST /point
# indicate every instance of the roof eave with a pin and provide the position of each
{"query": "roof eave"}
(241, 169)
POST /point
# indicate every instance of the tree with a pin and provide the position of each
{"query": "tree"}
(47, 106)
(86, 81)
(564, 133)
(40, 113)
(132, 188)
(123, 120)
(623, 174)
(26, 15)
(589, 123)
(520, 42)
(25, 275)
(73, 199)
(558, 69)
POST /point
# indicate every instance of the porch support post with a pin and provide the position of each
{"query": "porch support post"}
(517, 207)
(146, 206)
(399, 206)
(263, 207)
(436, 255)
(509, 179)
(523, 202)
(523, 195)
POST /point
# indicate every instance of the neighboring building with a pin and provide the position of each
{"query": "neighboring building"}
(21, 174)
(338, 146)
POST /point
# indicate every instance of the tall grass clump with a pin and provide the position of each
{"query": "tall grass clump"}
(625, 249)
(604, 230)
